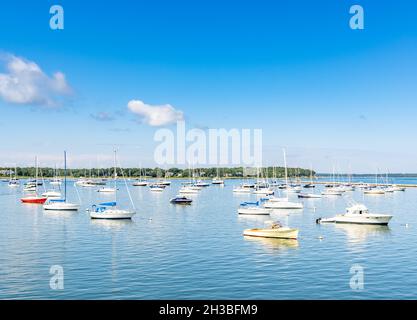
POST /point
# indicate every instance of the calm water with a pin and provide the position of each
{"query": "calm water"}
(198, 252)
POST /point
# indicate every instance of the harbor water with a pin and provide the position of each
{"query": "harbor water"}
(198, 252)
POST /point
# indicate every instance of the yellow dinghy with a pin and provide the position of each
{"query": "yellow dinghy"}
(276, 230)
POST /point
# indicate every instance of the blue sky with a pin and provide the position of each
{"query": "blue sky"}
(333, 96)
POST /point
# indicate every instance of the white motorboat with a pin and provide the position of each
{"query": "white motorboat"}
(275, 230)
(358, 214)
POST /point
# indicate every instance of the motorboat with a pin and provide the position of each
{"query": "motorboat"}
(181, 200)
(309, 195)
(275, 230)
(252, 208)
(358, 214)
(108, 210)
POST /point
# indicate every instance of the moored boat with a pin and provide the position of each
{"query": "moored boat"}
(358, 214)
(275, 230)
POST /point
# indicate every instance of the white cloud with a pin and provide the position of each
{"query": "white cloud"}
(155, 115)
(25, 83)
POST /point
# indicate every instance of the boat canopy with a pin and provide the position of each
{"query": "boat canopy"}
(108, 204)
(57, 200)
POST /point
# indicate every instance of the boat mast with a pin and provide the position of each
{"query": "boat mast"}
(115, 189)
(36, 174)
(285, 168)
(65, 176)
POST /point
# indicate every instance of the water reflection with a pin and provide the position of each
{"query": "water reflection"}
(360, 233)
(112, 224)
(273, 245)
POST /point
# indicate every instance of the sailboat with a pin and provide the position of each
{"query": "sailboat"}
(61, 204)
(217, 179)
(13, 182)
(140, 182)
(310, 185)
(34, 198)
(109, 210)
(283, 203)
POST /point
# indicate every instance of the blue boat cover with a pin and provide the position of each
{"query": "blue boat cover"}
(57, 200)
(108, 204)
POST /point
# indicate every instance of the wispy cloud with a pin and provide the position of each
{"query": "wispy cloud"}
(155, 115)
(25, 83)
(102, 116)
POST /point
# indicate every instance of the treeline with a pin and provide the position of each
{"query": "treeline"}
(159, 172)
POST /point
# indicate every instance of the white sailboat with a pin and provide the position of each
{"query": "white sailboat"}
(284, 203)
(61, 204)
(109, 210)
(14, 182)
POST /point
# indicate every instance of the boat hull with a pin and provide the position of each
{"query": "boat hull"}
(283, 205)
(254, 211)
(113, 214)
(36, 200)
(375, 220)
(281, 233)
(61, 206)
